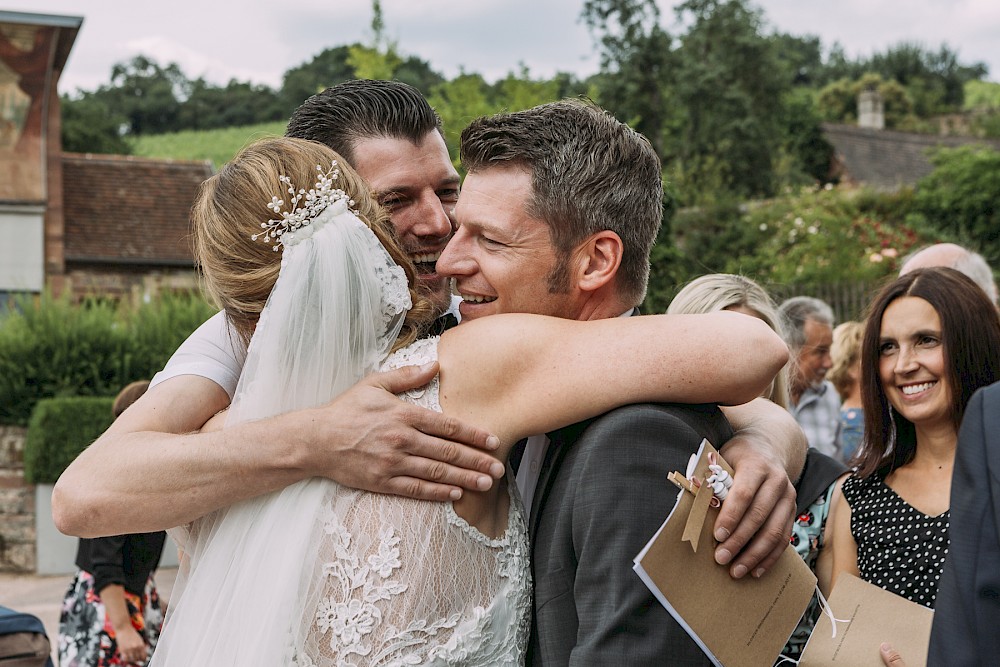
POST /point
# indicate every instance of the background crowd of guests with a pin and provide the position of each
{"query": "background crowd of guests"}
(882, 403)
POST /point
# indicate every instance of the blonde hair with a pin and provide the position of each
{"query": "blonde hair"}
(845, 352)
(721, 291)
(231, 205)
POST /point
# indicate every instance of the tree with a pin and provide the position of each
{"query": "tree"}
(935, 80)
(804, 142)
(961, 198)
(802, 57)
(239, 103)
(635, 64)
(328, 68)
(379, 59)
(149, 96)
(459, 102)
(418, 73)
(728, 88)
(517, 92)
(90, 126)
(371, 63)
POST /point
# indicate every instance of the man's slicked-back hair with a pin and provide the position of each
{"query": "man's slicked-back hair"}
(589, 173)
(363, 109)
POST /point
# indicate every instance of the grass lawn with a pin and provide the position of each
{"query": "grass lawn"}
(218, 146)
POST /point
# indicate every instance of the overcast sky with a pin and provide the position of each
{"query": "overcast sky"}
(258, 40)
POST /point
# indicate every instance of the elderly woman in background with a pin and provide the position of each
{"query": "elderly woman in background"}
(818, 486)
(845, 375)
(932, 339)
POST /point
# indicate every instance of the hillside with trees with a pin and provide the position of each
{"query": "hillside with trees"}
(733, 108)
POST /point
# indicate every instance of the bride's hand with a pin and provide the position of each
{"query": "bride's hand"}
(379, 443)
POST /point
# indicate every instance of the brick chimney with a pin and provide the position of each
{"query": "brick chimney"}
(871, 110)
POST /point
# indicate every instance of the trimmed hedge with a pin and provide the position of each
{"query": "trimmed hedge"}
(51, 347)
(59, 429)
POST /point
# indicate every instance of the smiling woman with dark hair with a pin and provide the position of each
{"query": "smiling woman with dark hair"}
(931, 340)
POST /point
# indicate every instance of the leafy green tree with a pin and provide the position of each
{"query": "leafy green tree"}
(459, 102)
(418, 73)
(148, 95)
(804, 143)
(728, 90)
(935, 79)
(237, 104)
(327, 68)
(520, 91)
(90, 126)
(961, 198)
(371, 63)
(802, 57)
(981, 95)
(378, 59)
(636, 64)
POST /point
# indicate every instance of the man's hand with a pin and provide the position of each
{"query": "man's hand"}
(756, 519)
(385, 445)
(890, 656)
(755, 522)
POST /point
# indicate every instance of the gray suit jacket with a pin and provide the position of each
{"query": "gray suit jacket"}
(967, 611)
(602, 494)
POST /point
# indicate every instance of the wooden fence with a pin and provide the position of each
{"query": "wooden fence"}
(849, 300)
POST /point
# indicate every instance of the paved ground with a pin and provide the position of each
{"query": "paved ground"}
(42, 596)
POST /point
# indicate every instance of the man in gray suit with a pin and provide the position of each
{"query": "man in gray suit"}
(557, 216)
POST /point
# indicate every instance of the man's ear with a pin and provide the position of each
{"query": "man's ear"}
(598, 260)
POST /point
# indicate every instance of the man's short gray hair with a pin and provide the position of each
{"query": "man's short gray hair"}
(798, 310)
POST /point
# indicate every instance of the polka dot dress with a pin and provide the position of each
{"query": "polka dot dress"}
(899, 548)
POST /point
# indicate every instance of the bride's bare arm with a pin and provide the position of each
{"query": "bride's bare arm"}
(526, 374)
(519, 374)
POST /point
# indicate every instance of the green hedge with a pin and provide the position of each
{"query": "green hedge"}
(50, 347)
(59, 429)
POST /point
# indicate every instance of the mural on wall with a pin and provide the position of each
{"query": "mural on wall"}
(26, 55)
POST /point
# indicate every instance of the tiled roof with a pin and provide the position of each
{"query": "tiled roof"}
(121, 209)
(889, 159)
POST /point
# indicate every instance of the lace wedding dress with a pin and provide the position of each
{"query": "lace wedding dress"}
(406, 582)
(321, 575)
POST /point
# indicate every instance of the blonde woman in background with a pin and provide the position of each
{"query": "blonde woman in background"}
(845, 375)
(819, 485)
(738, 294)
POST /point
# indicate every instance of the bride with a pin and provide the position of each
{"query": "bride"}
(319, 574)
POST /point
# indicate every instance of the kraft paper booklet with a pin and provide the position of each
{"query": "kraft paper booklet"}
(871, 615)
(736, 622)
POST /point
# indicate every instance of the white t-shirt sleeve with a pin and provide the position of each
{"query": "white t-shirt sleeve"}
(213, 351)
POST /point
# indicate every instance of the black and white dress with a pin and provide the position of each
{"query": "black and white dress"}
(900, 548)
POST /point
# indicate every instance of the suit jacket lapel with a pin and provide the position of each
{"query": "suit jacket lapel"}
(545, 478)
(560, 443)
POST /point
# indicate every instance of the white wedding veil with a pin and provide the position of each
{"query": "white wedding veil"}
(332, 317)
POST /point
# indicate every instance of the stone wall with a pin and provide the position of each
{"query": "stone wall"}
(17, 505)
